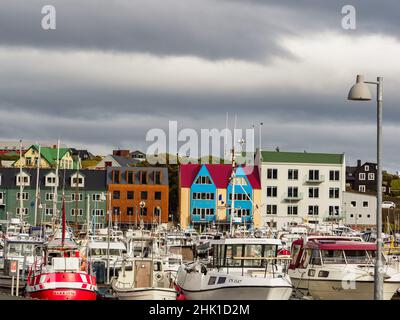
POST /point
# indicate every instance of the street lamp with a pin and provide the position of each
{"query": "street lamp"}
(360, 92)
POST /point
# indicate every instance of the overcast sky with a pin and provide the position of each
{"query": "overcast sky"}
(112, 70)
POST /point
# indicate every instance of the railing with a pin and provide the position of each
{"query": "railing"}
(296, 197)
(266, 259)
(319, 179)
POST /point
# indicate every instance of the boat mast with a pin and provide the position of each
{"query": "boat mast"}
(232, 211)
(21, 182)
(37, 196)
(55, 196)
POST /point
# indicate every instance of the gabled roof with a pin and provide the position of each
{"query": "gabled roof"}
(50, 154)
(220, 174)
(301, 157)
(124, 161)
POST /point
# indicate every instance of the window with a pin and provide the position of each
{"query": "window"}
(313, 210)
(116, 176)
(272, 174)
(22, 211)
(313, 175)
(76, 212)
(143, 195)
(28, 161)
(293, 192)
(293, 174)
(97, 212)
(203, 180)
(157, 195)
(271, 208)
(49, 196)
(334, 175)
(75, 196)
(361, 176)
(221, 280)
(365, 204)
(116, 211)
(157, 178)
(292, 210)
(24, 179)
(311, 272)
(143, 211)
(116, 195)
(49, 211)
(157, 211)
(353, 204)
(371, 176)
(323, 274)
(77, 180)
(96, 197)
(361, 188)
(25, 196)
(272, 191)
(334, 193)
(333, 210)
(51, 180)
(212, 280)
(366, 168)
(143, 177)
(129, 211)
(313, 192)
(130, 177)
(129, 195)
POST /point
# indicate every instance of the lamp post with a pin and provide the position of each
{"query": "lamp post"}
(360, 92)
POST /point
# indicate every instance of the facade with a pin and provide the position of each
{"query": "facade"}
(299, 187)
(115, 161)
(359, 209)
(138, 194)
(84, 192)
(205, 195)
(363, 178)
(48, 158)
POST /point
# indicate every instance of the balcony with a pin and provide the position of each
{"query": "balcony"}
(293, 197)
(319, 179)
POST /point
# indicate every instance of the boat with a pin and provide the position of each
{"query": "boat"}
(338, 268)
(240, 269)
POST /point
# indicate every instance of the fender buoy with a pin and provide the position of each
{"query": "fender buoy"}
(181, 296)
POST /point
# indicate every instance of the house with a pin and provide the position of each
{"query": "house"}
(48, 158)
(82, 154)
(139, 195)
(206, 194)
(84, 192)
(359, 209)
(115, 161)
(11, 146)
(138, 155)
(300, 187)
(121, 153)
(363, 178)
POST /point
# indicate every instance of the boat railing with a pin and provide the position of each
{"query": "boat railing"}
(266, 259)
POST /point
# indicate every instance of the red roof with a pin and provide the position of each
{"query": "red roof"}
(220, 174)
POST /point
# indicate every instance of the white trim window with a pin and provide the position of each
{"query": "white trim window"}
(292, 210)
(333, 210)
(272, 209)
(77, 179)
(313, 210)
(361, 176)
(353, 204)
(49, 197)
(371, 176)
(272, 192)
(97, 212)
(49, 211)
(366, 167)
(293, 174)
(73, 196)
(24, 211)
(96, 197)
(334, 193)
(26, 179)
(78, 212)
(334, 175)
(365, 204)
(51, 180)
(25, 195)
(313, 192)
(361, 188)
(272, 174)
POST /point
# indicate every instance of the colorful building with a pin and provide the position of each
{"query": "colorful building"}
(205, 195)
(48, 158)
(84, 192)
(139, 195)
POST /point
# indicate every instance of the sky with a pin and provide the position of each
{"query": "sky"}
(113, 70)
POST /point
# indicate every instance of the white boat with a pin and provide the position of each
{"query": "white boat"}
(143, 279)
(240, 269)
(338, 268)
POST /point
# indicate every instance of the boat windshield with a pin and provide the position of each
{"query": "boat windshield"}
(347, 256)
(20, 249)
(103, 252)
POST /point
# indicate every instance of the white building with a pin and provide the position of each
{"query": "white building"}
(300, 187)
(359, 209)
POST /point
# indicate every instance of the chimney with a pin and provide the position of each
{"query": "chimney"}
(358, 163)
(54, 146)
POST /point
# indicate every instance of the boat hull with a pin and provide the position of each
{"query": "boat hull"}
(146, 294)
(63, 294)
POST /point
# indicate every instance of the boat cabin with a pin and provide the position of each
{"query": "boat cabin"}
(323, 251)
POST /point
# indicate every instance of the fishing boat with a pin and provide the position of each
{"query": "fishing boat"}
(338, 268)
(240, 269)
(62, 274)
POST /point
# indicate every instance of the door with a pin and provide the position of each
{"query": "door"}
(143, 274)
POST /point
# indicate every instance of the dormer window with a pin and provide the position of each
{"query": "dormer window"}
(51, 180)
(23, 179)
(366, 168)
(77, 180)
(203, 180)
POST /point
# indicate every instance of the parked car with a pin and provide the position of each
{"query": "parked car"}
(388, 205)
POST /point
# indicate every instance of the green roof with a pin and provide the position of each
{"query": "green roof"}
(50, 154)
(301, 157)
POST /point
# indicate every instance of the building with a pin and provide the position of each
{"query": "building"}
(138, 155)
(121, 153)
(115, 161)
(81, 154)
(205, 196)
(363, 178)
(138, 194)
(300, 187)
(48, 158)
(359, 209)
(84, 192)
(12, 146)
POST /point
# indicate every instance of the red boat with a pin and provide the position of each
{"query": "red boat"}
(62, 274)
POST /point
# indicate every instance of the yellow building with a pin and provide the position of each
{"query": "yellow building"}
(48, 158)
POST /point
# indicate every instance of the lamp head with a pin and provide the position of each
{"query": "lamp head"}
(359, 91)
